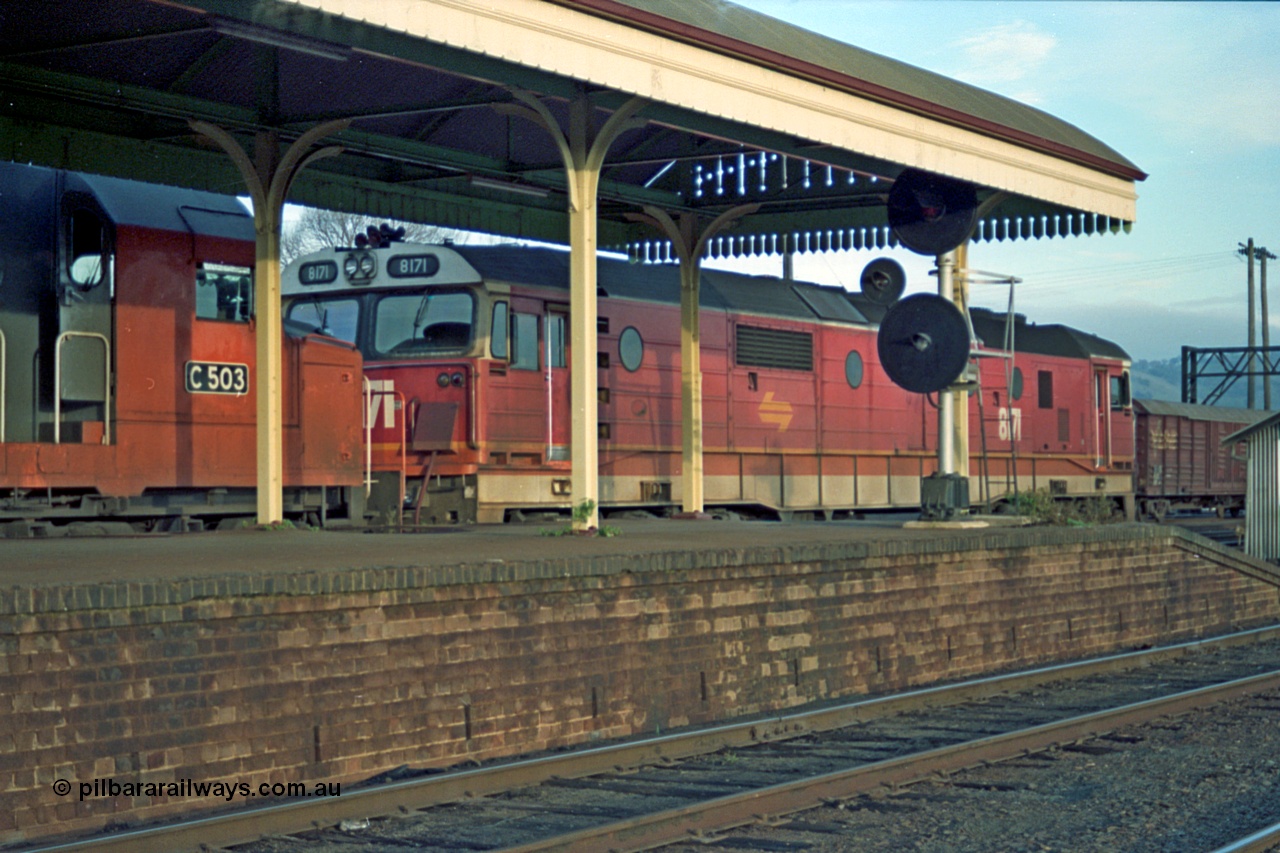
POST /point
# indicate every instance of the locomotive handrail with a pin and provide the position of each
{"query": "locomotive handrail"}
(404, 445)
(473, 418)
(366, 391)
(57, 383)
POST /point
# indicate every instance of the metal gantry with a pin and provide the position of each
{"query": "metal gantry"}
(1226, 365)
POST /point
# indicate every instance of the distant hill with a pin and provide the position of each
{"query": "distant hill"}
(1157, 380)
(1162, 380)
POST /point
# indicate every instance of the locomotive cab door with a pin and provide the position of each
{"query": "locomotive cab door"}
(528, 413)
(1102, 417)
(76, 346)
(556, 369)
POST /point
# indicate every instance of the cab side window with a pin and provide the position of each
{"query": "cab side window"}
(1120, 398)
(88, 251)
(224, 292)
(524, 341)
(499, 327)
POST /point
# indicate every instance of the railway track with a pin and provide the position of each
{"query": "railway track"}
(638, 795)
(1262, 841)
(1226, 532)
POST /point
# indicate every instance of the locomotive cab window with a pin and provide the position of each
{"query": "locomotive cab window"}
(336, 318)
(224, 292)
(88, 249)
(524, 341)
(1120, 395)
(423, 324)
(556, 333)
(499, 330)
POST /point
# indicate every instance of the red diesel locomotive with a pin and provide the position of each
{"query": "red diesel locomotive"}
(467, 390)
(127, 364)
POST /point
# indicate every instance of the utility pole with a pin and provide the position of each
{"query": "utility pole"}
(1246, 249)
(1263, 256)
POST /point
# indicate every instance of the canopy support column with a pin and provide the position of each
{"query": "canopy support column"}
(268, 183)
(583, 156)
(689, 246)
(960, 403)
(946, 398)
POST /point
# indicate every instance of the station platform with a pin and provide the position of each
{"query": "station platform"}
(101, 559)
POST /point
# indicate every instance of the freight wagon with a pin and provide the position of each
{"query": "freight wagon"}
(1181, 462)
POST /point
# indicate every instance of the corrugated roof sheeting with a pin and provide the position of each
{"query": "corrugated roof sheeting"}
(1196, 412)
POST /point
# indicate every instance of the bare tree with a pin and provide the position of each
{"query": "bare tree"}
(315, 229)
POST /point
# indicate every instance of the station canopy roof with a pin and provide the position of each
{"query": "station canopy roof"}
(739, 109)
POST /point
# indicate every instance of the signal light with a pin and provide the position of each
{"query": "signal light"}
(375, 237)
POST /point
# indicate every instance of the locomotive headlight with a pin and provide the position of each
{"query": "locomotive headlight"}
(443, 380)
(456, 379)
(360, 266)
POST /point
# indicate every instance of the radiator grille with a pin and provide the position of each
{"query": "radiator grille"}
(759, 347)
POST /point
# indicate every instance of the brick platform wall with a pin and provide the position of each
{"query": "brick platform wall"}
(336, 677)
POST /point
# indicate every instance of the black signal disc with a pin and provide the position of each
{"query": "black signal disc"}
(923, 343)
(931, 214)
(883, 281)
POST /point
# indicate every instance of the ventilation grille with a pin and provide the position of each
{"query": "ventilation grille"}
(779, 348)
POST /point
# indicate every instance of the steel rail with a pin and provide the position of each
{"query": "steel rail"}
(767, 805)
(250, 824)
(1258, 842)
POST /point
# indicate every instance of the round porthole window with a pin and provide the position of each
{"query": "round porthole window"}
(853, 368)
(1015, 384)
(630, 348)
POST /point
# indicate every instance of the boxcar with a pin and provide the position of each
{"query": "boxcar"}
(1181, 462)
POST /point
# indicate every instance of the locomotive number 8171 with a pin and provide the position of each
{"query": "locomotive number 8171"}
(467, 368)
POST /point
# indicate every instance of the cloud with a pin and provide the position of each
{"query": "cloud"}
(999, 56)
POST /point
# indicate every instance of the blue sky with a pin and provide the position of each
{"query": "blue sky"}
(1190, 92)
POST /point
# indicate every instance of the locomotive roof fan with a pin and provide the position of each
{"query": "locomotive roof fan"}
(923, 343)
(931, 214)
(883, 281)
